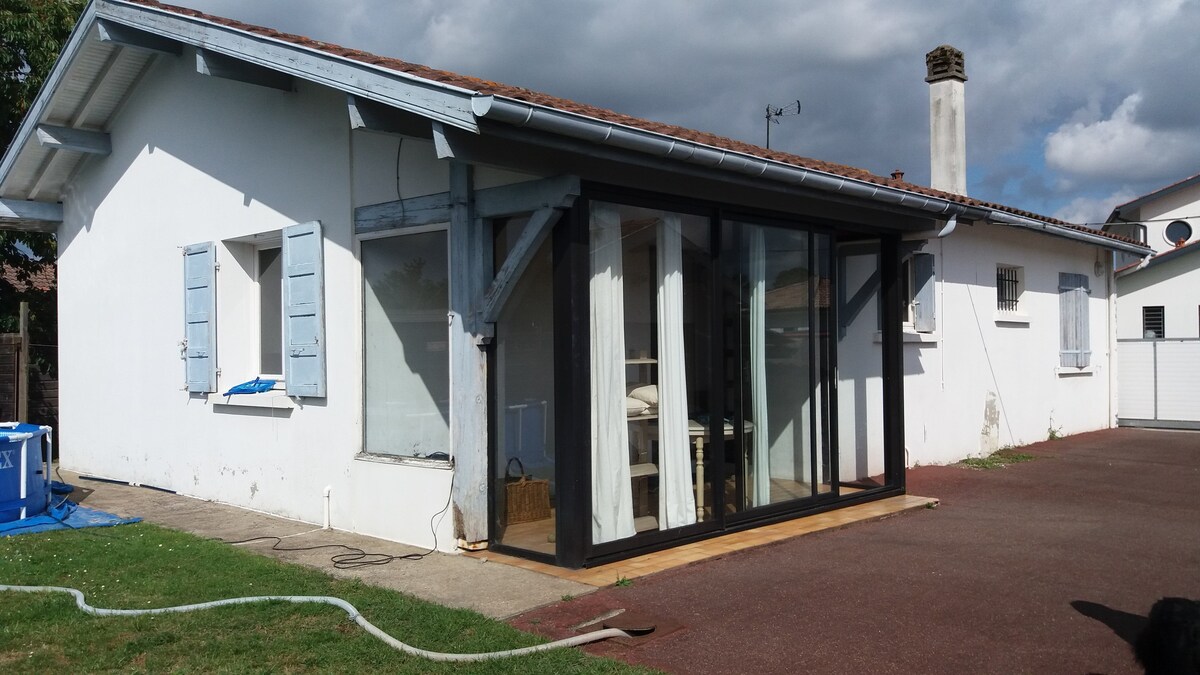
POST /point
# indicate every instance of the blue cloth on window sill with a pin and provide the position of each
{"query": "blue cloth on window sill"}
(255, 386)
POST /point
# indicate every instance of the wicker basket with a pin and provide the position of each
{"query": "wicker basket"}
(526, 498)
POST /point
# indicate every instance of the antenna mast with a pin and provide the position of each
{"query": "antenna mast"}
(775, 112)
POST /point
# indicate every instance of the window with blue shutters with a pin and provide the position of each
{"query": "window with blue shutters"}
(1073, 294)
(283, 271)
(200, 317)
(304, 310)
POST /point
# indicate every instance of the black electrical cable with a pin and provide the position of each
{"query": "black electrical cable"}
(356, 557)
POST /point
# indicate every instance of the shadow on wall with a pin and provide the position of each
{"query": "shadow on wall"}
(185, 115)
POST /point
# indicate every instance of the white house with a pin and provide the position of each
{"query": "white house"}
(677, 334)
(1158, 307)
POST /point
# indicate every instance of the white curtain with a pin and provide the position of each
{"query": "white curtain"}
(760, 437)
(612, 494)
(676, 499)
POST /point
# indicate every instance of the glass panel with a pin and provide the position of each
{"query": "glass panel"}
(783, 311)
(650, 353)
(860, 369)
(524, 411)
(270, 311)
(407, 368)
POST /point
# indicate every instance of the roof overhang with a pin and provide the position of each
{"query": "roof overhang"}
(1161, 258)
(523, 114)
(1121, 212)
(115, 42)
(110, 49)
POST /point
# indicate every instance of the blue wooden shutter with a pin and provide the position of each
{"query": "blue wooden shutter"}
(1074, 345)
(924, 298)
(304, 310)
(200, 316)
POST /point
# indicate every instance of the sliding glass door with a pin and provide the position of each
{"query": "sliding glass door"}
(778, 331)
(650, 317)
(694, 386)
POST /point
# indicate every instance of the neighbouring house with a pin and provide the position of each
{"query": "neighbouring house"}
(1158, 307)
(444, 283)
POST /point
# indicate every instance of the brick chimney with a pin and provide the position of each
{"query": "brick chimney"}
(947, 120)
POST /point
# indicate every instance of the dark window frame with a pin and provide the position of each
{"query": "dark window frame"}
(1154, 322)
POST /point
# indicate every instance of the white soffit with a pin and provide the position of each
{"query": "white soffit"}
(93, 78)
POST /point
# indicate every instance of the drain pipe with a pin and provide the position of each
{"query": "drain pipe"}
(325, 494)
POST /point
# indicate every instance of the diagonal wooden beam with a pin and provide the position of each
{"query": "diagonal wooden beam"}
(506, 200)
(536, 230)
(77, 140)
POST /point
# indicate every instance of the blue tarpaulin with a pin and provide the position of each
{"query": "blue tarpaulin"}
(255, 386)
(63, 515)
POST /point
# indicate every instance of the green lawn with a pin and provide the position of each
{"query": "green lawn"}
(142, 565)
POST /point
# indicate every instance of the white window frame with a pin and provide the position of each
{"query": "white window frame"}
(1016, 313)
(258, 325)
(387, 457)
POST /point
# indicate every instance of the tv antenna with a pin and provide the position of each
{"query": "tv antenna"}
(775, 112)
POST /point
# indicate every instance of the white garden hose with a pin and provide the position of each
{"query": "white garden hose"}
(337, 602)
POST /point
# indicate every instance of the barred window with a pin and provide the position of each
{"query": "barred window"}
(1154, 323)
(1009, 286)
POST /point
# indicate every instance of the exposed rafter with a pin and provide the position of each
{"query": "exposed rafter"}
(21, 214)
(76, 140)
(218, 65)
(126, 36)
(373, 116)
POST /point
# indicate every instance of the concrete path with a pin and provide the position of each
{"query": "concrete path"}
(492, 589)
(1047, 566)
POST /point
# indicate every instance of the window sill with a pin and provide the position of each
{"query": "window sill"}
(422, 462)
(1012, 318)
(1074, 372)
(913, 337)
(274, 398)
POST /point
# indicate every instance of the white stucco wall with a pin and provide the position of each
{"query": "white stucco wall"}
(979, 383)
(1173, 285)
(199, 159)
(1157, 213)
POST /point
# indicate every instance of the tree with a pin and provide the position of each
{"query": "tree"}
(32, 33)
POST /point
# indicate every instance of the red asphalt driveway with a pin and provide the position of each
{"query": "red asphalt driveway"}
(1048, 566)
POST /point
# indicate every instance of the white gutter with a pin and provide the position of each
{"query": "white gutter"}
(551, 120)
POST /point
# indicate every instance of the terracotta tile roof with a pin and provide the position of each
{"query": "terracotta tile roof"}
(487, 87)
(41, 279)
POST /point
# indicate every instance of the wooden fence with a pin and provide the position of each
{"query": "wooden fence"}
(27, 394)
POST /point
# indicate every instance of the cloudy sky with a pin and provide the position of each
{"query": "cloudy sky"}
(1072, 106)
